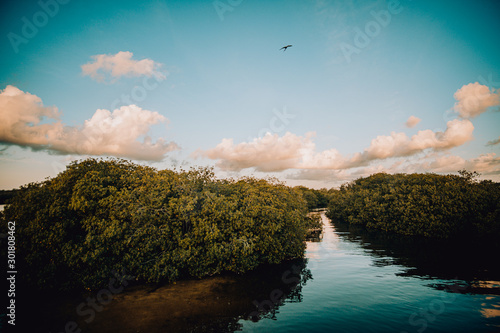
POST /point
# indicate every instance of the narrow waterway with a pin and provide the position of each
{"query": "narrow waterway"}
(350, 281)
(371, 283)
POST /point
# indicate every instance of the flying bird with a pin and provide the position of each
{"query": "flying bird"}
(285, 47)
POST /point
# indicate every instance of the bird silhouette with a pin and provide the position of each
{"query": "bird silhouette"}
(285, 47)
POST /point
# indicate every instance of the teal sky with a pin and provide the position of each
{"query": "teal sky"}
(224, 77)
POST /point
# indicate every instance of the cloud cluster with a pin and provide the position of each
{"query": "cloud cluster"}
(269, 153)
(27, 122)
(412, 121)
(474, 99)
(275, 153)
(118, 65)
(456, 134)
(486, 164)
(292, 152)
(21, 115)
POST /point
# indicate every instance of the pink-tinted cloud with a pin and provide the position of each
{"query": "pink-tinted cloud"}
(27, 122)
(474, 99)
(456, 134)
(486, 164)
(118, 65)
(275, 153)
(412, 121)
(269, 153)
(21, 115)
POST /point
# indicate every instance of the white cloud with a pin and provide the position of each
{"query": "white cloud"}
(26, 122)
(292, 152)
(269, 153)
(120, 64)
(486, 164)
(457, 133)
(412, 122)
(21, 115)
(447, 163)
(474, 99)
(274, 153)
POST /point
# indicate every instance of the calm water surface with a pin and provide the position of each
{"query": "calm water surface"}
(364, 284)
(350, 281)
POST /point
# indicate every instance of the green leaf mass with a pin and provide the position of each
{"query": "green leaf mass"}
(100, 216)
(429, 205)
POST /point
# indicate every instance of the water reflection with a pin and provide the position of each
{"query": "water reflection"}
(213, 304)
(490, 312)
(472, 263)
(462, 266)
(327, 244)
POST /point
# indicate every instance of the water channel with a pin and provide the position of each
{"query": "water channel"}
(350, 281)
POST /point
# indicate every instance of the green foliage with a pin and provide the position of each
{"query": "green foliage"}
(314, 198)
(421, 204)
(104, 215)
(314, 221)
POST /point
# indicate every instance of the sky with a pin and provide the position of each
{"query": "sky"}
(366, 87)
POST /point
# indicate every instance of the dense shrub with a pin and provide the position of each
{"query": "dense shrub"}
(315, 198)
(105, 215)
(421, 204)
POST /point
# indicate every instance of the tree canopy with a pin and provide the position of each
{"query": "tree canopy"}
(157, 225)
(430, 205)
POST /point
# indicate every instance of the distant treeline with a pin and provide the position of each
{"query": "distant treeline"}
(315, 198)
(6, 195)
(100, 216)
(421, 204)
